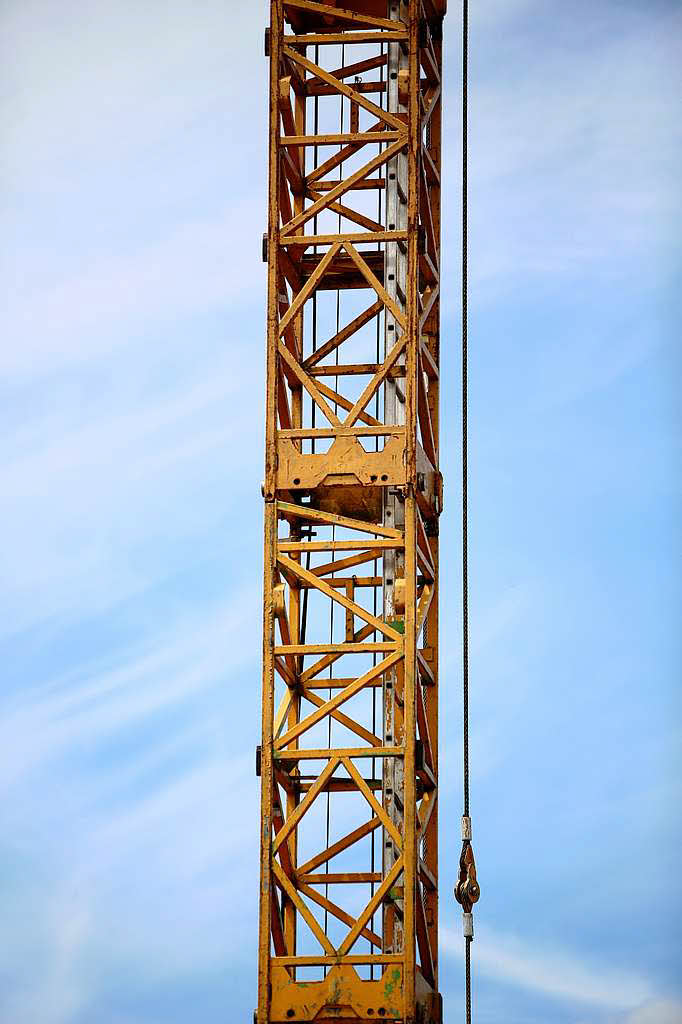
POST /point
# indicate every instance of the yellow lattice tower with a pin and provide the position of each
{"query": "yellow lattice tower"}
(348, 925)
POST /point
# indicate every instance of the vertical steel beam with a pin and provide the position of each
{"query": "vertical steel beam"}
(270, 531)
(395, 277)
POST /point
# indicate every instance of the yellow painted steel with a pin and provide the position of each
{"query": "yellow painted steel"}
(348, 919)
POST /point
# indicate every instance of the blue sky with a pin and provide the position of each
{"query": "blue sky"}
(132, 202)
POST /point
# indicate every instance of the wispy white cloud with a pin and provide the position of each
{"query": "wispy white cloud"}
(175, 666)
(145, 455)
(88, 84)
(139, 892)
(558, 973)
(659, 1011)
(146, 839)
(62, 988)
(94, 127)
(193, 269)
(491, 15)
(573, 150)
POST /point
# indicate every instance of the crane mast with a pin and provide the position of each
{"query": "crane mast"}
(348, 918)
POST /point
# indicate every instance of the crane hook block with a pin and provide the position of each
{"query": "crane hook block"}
(467, 890)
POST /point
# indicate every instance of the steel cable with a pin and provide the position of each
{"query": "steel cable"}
(465, 445)
(465, 411)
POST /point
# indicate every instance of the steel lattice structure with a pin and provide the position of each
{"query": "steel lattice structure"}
(348, 925)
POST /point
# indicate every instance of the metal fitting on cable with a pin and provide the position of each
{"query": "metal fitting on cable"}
(467, 891)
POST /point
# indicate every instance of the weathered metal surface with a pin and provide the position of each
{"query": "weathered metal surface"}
(348, 923)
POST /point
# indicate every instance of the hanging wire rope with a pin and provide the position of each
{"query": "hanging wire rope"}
(465, 410)
(466, 831)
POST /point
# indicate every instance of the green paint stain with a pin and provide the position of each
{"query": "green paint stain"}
(391, 984)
